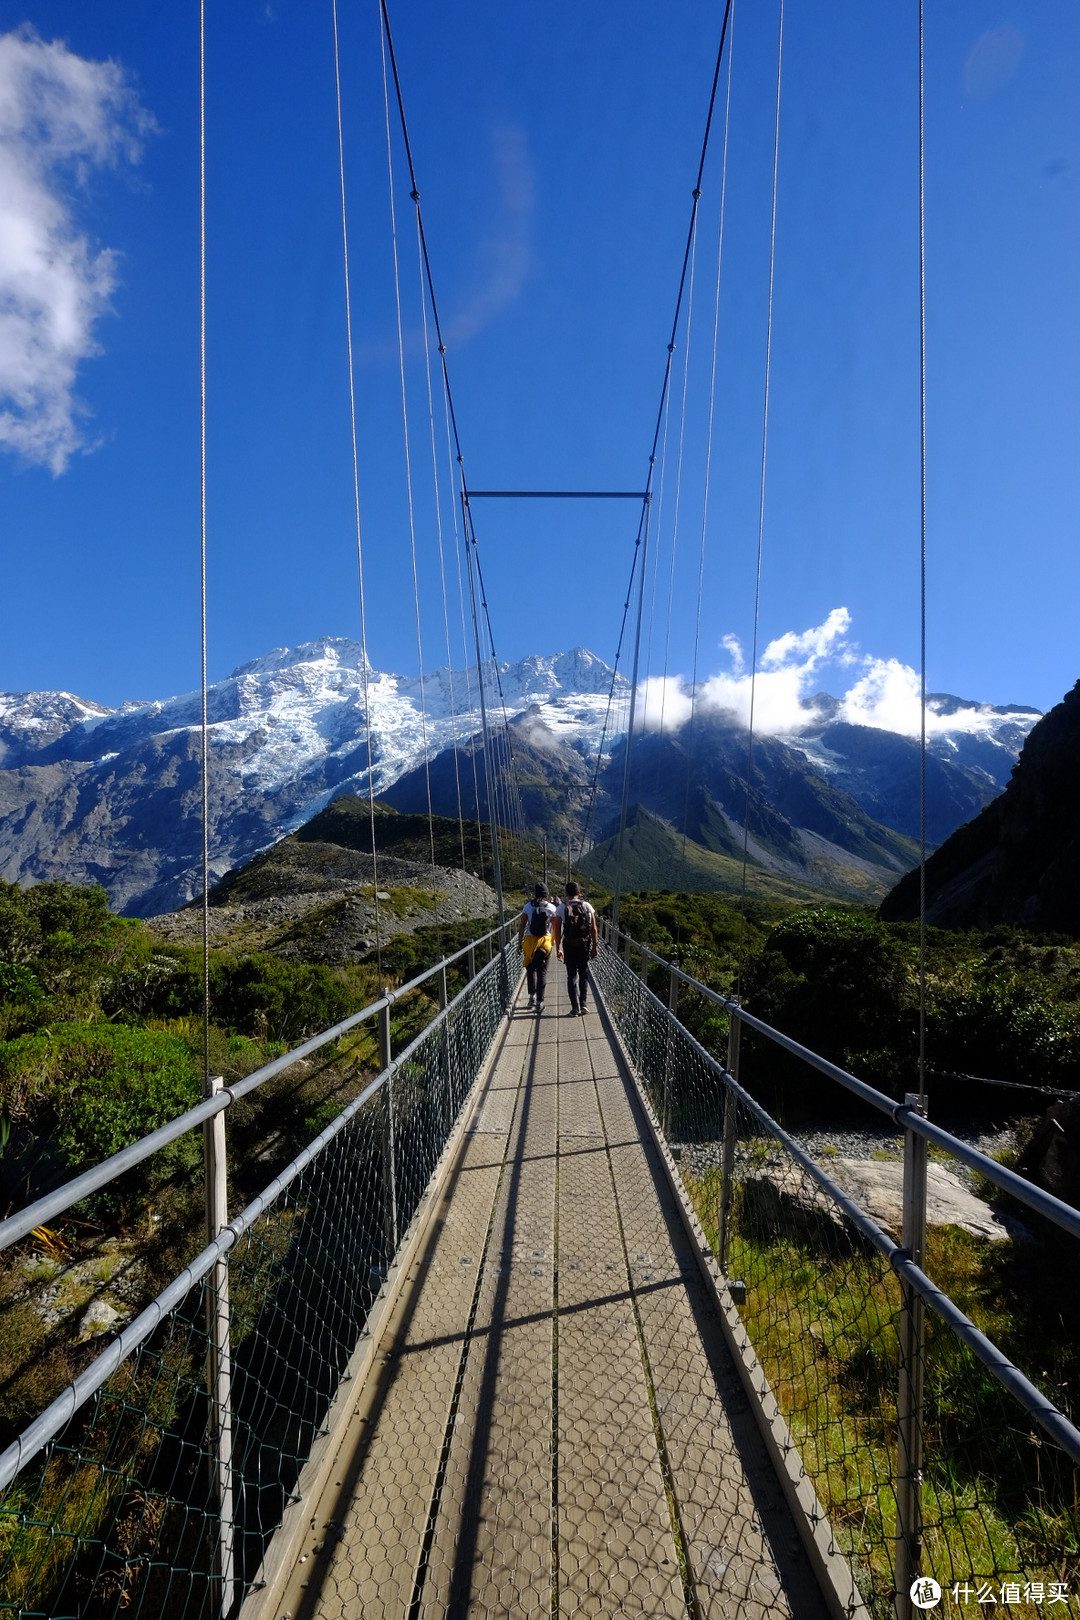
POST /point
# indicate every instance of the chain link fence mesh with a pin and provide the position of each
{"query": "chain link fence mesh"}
(1000, 1501)
(120, 1514)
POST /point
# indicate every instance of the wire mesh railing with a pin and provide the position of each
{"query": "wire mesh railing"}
(155, 1480)
(947, 1473)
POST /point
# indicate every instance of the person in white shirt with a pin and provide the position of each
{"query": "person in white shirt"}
(536, 940)
(576, 936)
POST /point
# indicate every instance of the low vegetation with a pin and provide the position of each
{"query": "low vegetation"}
(102, 1041)
(1003, 1005)
(995, 1497)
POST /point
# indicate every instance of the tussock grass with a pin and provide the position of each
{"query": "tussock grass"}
(999, 1501)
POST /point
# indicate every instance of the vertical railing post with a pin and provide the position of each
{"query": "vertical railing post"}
(669, 1048)
(504, 974)
(909, 1403)
(639, 1015)
(219, 1360)
(444, 1044)
(727, 1152)
(386, 1055)
(471, 959)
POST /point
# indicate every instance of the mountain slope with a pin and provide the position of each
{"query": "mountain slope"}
(1018, 862)
(880, 771)
(113, 796)
(799, 824)
(552, 778)
(655, 856)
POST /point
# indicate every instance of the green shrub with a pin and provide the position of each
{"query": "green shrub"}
(257, 995)
(19, 983)
(94, 1088)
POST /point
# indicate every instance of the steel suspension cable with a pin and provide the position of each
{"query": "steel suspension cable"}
(472, 549)
(709, 432)
(661, 490)
(643, 528)
(354, 441)
(761, 497)
(511, 789)
(408, 469)
(678, 479)
(493, 828)
(643, 540)
(464, 632)
(439, 540)
(204, 699)
(922, 555)
(611, 700)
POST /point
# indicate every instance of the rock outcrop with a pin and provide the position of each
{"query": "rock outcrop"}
(783, 1198)
(1018, 861)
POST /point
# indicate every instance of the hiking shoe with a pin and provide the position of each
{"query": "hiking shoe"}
(532, 1003)
(572, 1013)
(539, 1008)
(583, 1009)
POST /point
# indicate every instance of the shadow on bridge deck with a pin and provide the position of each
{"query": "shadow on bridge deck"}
(553, 1423)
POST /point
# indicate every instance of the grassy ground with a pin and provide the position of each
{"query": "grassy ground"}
(998, 1501)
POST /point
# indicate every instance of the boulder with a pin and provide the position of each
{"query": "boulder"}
(781, 1198)
(877, 1186)
(100, 1317)
(1052, 1157)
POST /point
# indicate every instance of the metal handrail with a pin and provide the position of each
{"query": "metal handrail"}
(1050, 1418)
(55, 1203)
(48, 1423)
(905, 1117)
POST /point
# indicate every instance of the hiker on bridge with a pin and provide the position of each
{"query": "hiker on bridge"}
(576, 936)
(536, 940)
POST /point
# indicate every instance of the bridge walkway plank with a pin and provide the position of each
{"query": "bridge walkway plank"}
(554, 1424)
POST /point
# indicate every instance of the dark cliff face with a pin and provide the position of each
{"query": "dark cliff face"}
(1018, 861)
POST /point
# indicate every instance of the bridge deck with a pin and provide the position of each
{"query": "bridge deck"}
(554, 1425)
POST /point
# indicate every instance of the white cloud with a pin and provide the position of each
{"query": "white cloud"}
(61, 116)
(885, 695)
(822, 641)
(733, 647)
(785, 678)
(664, 703)
(777, 696)
(505, 252)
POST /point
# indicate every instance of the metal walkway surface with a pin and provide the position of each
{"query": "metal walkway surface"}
(552, 1423)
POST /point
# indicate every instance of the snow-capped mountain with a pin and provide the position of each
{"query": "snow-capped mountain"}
(29, 721)
(113, 796)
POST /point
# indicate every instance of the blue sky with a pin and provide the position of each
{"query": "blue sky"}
(556, 148)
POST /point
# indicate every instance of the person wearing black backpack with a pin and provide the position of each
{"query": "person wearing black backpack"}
(576, 936)
(536, 940)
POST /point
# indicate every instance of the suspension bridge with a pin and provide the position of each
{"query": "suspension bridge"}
(552, 1317)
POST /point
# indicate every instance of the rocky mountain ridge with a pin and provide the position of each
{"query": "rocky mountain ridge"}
(114, 796)
(1018, 861)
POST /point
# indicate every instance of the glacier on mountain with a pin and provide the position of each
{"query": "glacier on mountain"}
(114, 796)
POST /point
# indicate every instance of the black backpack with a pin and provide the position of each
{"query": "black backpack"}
(577, 925)
(540, 921)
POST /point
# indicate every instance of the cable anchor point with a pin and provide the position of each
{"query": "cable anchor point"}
(415, 195)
